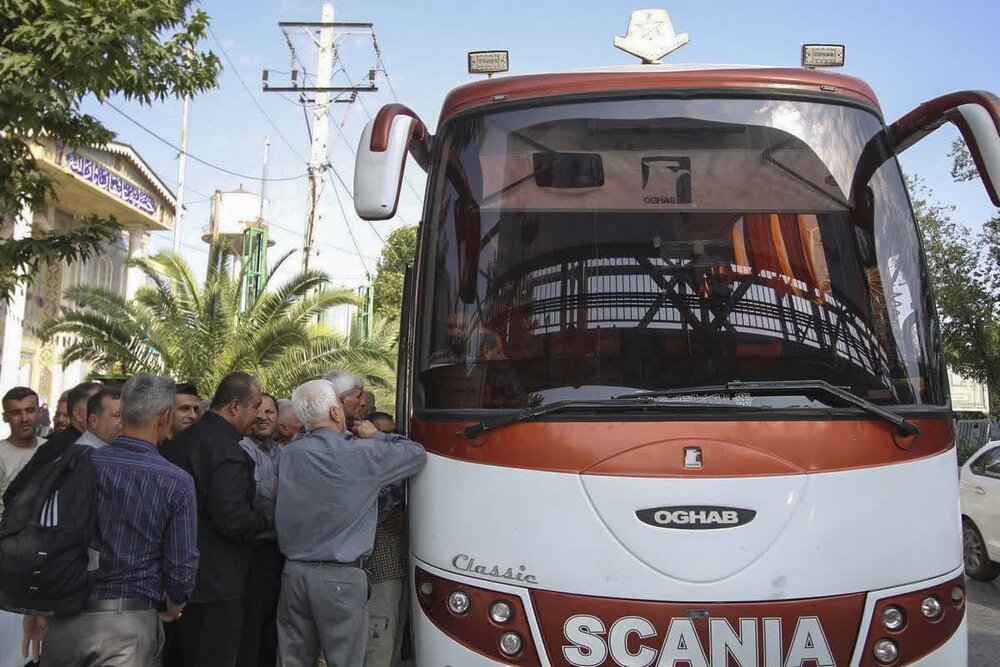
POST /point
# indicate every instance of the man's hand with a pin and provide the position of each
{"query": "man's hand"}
(173, 611)
(34, 632)
(364, 429)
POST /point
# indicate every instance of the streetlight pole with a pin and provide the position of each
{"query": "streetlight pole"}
(179, 216)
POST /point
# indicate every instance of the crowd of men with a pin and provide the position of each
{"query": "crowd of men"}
(243, 530)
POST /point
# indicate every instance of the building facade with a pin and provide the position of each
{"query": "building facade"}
(112, 181)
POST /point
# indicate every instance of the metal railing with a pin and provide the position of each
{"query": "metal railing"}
(972, 434)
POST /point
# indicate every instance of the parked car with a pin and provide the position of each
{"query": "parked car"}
(979, 481)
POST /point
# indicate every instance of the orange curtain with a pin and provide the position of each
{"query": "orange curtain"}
(786, 245)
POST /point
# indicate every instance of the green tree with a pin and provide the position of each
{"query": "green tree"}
(53, 53)
(964, 268)
(399, 250)
(198, 332)
(382, 343)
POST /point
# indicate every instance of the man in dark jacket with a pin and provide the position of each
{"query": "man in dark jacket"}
(223, 475)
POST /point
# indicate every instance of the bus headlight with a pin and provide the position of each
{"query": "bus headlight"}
(885, 651)
(459, 602)
(920, 621)
(510, 644)
(501, 612)
(893, 618)
(930, 608)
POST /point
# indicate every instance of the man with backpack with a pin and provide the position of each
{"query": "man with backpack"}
(21, 413)
(48, 525)
(146, 528)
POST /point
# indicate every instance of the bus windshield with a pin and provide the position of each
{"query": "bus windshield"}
(584, 249)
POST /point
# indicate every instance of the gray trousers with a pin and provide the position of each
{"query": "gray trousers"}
(323, 607)
(103, 639)
(385, 619)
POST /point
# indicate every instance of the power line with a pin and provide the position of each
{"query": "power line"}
(347, 222)
(200, 194)
(348, 191)
(252, 97)
(325, 243)
(379, 61)
(195, 157)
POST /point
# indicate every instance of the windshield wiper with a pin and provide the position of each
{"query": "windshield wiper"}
(785, 387)
(615, 403)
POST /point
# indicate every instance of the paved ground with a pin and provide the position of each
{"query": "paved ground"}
(984, 624)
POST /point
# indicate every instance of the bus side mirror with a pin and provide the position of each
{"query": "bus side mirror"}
(378, 168)
(975, 113)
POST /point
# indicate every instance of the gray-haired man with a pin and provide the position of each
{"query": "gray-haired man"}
(324, 588)
(349, 388)
(288, 423)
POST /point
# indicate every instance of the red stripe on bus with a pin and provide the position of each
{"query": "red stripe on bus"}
(657, 449)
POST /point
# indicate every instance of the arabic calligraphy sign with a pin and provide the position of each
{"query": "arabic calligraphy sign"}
(108, 181)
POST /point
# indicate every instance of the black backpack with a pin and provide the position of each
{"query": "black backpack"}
(47, 532)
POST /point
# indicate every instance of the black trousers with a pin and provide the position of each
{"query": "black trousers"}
(259, 645)
(171, 655)
(209, 633)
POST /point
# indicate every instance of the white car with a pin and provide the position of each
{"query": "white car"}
(979, 481)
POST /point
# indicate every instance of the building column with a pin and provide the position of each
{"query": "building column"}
(57, 380)
(133, 276)
(10, 355)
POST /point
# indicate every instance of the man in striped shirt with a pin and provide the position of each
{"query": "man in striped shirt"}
(148, 546)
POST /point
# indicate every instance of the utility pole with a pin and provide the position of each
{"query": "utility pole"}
(320, 131)
(323, 34)
(179, 216)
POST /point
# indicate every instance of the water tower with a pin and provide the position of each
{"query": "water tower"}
(240, 217)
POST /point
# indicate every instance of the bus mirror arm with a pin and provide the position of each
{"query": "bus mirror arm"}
(420, 140)
(975, 113)
(381, 160)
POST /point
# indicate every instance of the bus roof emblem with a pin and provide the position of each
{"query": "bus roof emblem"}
(650, 36)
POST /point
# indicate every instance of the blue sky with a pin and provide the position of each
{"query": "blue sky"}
(908, 51)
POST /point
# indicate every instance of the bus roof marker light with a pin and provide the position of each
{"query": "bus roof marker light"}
(488, 62)
(650, 36)
(823, 55)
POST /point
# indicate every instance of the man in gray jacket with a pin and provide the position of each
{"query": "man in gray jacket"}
(325, 518)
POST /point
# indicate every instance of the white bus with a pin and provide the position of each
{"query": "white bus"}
(670, 345)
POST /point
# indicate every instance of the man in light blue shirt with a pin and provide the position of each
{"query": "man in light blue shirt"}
(325, 518)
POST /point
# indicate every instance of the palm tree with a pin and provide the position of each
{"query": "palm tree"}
(200, 332)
